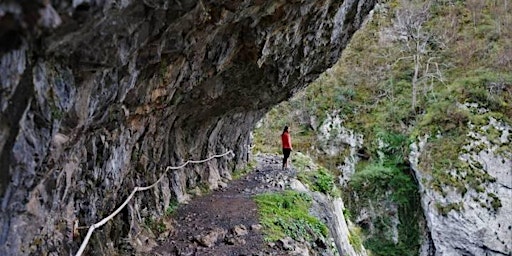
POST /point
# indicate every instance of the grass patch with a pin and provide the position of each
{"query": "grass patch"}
(320, 180)
(355, 238)
(317, 178)
(495, 201)
(444, 209)
(237, 174)
(302, 162)
(287, 214)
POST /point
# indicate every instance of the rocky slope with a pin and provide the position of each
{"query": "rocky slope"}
(450, 193)
(474, 220)
(225, 222)
(97, 97)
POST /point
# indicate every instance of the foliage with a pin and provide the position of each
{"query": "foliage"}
(287, 214)
(469, 61)
(320, 180)
(156, 225)
(173, 206)
(303, 162)
(384, 180)
(448, 120)
(355, 238)
(238, 173)
(496, 202)
(445, 209)
(324, 181)
(376, 179)
(317, 178)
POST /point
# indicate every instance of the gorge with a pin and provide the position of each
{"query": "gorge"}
(400, 111)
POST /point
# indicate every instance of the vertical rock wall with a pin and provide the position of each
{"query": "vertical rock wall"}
(97, 97)
(476, 219)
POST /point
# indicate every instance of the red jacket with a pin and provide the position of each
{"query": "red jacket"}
(286, 140)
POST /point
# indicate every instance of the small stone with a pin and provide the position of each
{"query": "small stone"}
(287, 243)
(256, 227)
(240, 230)
(235, 241)
(222, 184)
(209, 238)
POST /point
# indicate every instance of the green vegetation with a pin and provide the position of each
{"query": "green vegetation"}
(355, 238)
(445, 209)
(376, 180)
(287, 214)
(303, 162)
(173, 206)
(448, 119)
(320, 180)
(394, 94)
(380, 183)
(156, 225)
(316, 177)
(201, 188)
(238, 173)
(495, 201)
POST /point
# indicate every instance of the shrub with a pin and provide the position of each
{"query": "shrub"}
(173, 206)
(245, 170)
(320, 180)
(324, 181)
(375, 179)
(355, 238)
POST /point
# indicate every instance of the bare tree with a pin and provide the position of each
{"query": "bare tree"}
(476, 6)
(410, 26)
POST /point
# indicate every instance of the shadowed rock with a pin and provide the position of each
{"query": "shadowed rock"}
(97, 97)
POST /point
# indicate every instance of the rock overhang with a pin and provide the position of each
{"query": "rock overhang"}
(134, 86)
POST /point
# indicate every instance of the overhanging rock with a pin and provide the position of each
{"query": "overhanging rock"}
(97, 97)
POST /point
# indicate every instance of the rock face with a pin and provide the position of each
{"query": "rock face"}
(335, 139)
(326, 208)
(331, 210)
(476, 222)
(97, 97)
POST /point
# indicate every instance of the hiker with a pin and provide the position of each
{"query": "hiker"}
(287, 146)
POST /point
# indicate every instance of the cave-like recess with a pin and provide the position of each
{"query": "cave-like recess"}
(98, 97)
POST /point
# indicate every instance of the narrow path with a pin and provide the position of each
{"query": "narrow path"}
(225, 222)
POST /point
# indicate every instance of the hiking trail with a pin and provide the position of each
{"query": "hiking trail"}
(225, 221)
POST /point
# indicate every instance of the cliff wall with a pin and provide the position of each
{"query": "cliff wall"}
(97, 97)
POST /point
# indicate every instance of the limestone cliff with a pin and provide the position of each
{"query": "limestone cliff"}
(97, 97)
(450, 192)
(472, 219)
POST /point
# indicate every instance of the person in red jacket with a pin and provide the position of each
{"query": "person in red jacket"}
(287, 146)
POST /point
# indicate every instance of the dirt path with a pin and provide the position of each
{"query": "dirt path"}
(225, 222)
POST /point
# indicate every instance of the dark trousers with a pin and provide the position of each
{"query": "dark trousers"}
(286, 154)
